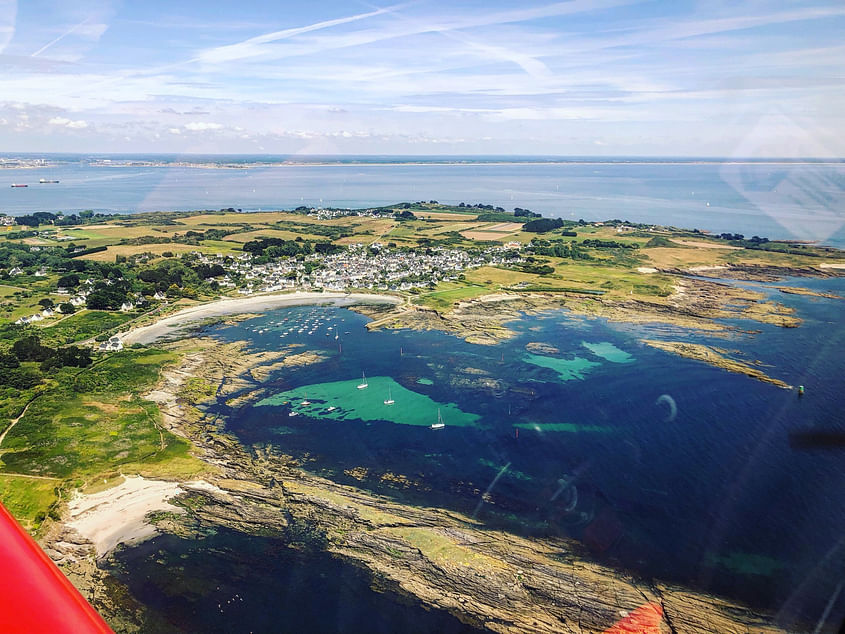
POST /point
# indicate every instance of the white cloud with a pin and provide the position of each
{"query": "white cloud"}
(68, 123)
(200, 126)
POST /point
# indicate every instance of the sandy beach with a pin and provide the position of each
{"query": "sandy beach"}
(118, 514)
(172, 324)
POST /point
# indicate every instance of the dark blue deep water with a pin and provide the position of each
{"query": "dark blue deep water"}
(715, 498)
(229, 582)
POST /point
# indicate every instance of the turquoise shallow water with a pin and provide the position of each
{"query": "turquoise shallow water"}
(608, 352)
(567, 369)
(368, 404)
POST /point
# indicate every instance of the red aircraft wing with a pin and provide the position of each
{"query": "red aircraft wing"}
(35, 596)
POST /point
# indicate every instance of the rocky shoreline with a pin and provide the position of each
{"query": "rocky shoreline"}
(716, 357)
(487, 578)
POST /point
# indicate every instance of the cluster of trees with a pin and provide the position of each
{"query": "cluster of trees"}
(542, 225)
(660, 241)
(539, 268)
(30, 348)
(560, 249)
(56, 258)
(482, 206)
(608, 244)
(731, 236)
(108, 296)
(38, 218)
(527, 213)
(45, 218)
(278, 247)
(404, 215)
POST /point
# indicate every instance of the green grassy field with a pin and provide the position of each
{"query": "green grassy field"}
(448, 293)
(82, 325)
(28, 499)
(88, 424)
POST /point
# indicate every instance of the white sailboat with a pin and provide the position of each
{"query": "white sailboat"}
(439, 424)
(306, 401)
(389, 400)
(363, 383)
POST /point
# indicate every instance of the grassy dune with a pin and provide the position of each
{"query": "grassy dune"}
(90, 424)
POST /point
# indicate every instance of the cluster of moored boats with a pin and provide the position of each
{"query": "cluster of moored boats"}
(312, 323)
(363, 385)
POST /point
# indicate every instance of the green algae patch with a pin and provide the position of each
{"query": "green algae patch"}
(505, 470)
(425, 381)
(443, 549)
(566, 369)
(608, 352)
(743, 563)
(564, 427)
(368, 404)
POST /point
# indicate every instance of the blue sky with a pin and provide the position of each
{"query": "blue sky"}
(582, 77)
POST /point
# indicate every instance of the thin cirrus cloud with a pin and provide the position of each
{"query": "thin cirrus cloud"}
(552, 77)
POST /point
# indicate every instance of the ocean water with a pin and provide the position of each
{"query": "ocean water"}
(228, 582)
(804, 201)
(659, 465)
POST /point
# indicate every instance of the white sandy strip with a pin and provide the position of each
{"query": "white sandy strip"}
(170, 325)
(697, 269)
(118, 515)
(827, 265)
(646, 269)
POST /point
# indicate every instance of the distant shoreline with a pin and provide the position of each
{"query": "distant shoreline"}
(25, 161)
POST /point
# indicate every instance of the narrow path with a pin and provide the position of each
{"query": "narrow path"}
(4, 474)
(15, 422)
(391, 317)
(58, 321)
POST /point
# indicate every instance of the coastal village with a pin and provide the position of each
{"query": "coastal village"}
(374, 266)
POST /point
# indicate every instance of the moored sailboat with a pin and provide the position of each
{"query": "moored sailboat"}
(439, 424)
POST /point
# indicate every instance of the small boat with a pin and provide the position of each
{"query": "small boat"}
(336, 337)
(363, 383)
(45, 180)
(439, 424)
(331, 408)
(293, 413)
(19, 185)
(389, 400)
(306, 401)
